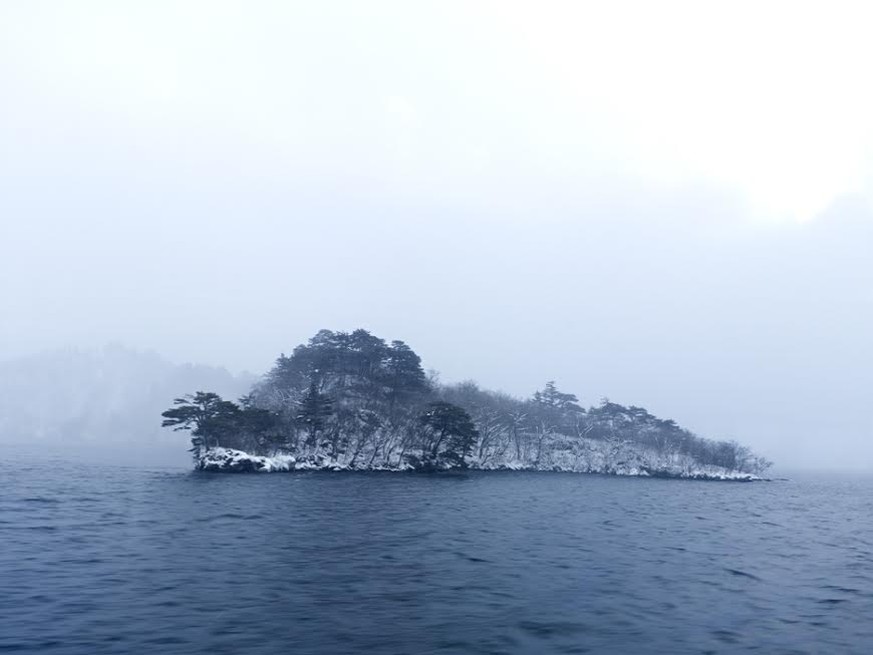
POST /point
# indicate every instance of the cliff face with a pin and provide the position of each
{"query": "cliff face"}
(640, 464)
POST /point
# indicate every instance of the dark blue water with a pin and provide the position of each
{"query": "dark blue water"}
(106, 560)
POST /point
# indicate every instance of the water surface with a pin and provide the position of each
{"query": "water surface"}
(95, 559)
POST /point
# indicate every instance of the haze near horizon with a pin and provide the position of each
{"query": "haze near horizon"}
(668, 206)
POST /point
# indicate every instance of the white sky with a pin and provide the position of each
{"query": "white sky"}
(667, 203)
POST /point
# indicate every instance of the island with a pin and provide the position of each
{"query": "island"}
(351, 401)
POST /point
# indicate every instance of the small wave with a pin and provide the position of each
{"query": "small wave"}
(231, 516)
(726, 636)
(843, 590)
(743, 574)
(470, 558)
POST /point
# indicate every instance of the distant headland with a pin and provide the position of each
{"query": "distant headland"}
(350, 401)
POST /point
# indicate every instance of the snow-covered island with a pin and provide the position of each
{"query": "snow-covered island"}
(353, 402)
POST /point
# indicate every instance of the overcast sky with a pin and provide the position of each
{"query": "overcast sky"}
(668, 203)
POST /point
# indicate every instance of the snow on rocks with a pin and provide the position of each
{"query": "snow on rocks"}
(237, 461)
(229, 460)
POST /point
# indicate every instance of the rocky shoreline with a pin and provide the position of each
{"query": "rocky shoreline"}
(228, 460)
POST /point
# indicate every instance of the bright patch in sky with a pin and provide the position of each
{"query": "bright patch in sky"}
(769, 100)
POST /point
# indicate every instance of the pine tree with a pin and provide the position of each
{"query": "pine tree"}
(206, 416)
(403, 374)
(315, 409)
(453, 434)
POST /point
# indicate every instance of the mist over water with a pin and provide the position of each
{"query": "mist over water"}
(99, 559)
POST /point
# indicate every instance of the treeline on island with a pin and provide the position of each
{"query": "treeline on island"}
(352, 401)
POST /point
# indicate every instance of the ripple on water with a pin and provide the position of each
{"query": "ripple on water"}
(133, 561)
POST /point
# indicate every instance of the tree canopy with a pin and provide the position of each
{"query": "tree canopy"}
(356, 399)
